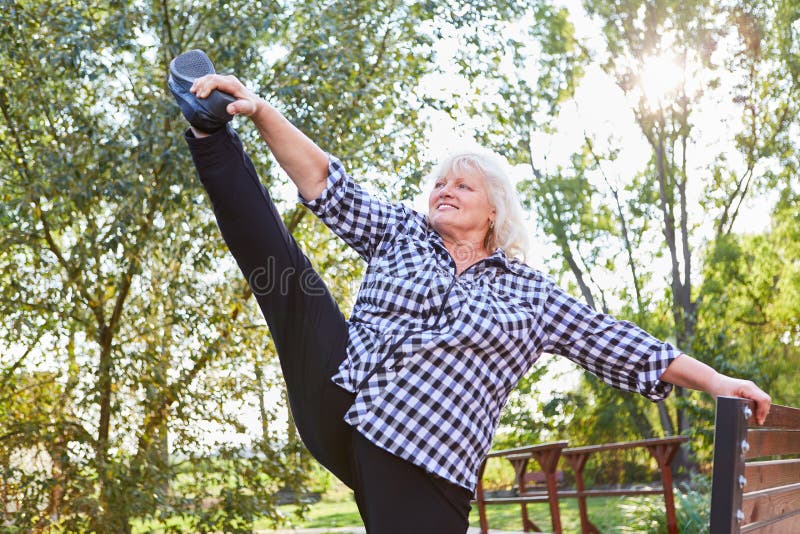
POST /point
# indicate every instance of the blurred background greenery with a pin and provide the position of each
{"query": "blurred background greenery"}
(655, 148)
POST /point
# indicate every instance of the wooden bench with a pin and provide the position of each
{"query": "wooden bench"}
(756, 479)
(547, 456)
(538, 479)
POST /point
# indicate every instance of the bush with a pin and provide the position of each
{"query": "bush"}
(646, 514)
(694, 504)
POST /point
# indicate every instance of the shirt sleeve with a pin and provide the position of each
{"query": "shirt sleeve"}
(619, 352)
(362, 220)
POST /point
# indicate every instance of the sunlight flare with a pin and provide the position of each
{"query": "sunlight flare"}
(660, 78)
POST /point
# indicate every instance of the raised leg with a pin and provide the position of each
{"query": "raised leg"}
(309, 330)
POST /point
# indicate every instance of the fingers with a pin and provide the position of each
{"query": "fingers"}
(749, 390)
(746, 389)
(763, 402)
(242, 107)
(203, 86)
(246, 103)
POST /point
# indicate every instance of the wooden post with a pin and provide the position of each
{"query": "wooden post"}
(730, 433)
(547, 455)
(662, 449)
(548, 461)
(664, 453)
(749, 492)
(520, 467)
(578, 462)
(481, 504)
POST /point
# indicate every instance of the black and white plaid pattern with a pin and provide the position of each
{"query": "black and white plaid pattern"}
(433, 356)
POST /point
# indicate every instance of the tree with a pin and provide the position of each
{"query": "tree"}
(635, 36)
(105, 241)
(123, 315)
(744, 54)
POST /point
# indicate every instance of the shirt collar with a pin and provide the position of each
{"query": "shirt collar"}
(498, 257)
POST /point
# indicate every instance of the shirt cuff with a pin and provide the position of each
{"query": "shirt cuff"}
(649, 381)
(333, 192)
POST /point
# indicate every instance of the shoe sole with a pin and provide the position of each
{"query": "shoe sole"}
(186, 68)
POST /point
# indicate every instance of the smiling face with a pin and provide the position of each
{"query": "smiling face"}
(459, 208)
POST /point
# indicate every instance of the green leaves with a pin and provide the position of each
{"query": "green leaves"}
(130, 343)
(619, 236)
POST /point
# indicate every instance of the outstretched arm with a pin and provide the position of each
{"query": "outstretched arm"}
(304, 162)
(685, 371)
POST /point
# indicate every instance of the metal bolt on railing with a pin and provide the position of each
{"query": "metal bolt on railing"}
(747, 412)
(742, 481)
(745, 446)
(739, 516)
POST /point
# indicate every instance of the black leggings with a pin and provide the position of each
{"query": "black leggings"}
(310, 335)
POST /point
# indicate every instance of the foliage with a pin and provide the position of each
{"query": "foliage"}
(691, 507)
(113, 352)
(107, 240)
(661, 223)
(693, 503)
(643, 515)
(751, 286)
(130, 347)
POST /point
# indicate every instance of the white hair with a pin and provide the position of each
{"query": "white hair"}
(508, 232)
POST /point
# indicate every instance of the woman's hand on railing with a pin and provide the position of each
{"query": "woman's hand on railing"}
(746, 389)
(687, 372)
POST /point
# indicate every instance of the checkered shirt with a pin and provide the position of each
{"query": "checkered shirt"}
(433, 356)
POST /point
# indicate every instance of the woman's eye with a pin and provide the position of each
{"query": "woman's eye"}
(463, 186)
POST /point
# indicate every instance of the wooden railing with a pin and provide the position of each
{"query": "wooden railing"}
(756, 480)
(663, 450)
(547, 457)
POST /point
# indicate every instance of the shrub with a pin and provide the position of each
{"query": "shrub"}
(646, 514)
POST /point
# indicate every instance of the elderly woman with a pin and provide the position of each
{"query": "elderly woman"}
(401, 401)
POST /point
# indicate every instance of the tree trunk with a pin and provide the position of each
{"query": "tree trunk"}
(666, 420)
(577, 272)
(682, 307)
(262, 407)
(104, 471)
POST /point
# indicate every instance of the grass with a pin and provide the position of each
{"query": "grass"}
(604, 512)
(338, 509)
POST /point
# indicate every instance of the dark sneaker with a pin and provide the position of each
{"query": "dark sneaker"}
(205, 114)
